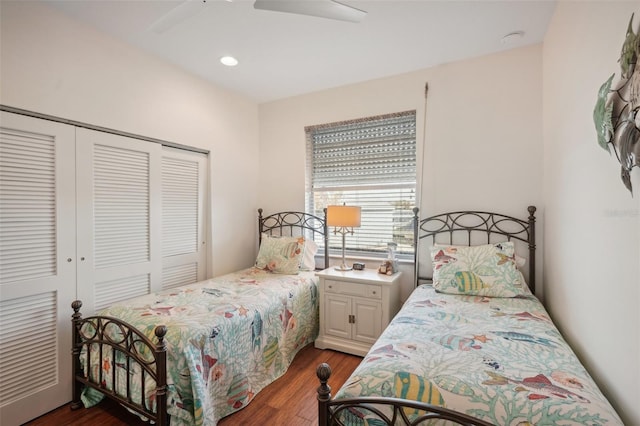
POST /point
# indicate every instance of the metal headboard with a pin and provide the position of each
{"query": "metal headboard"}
(296, 223)
(477, 222)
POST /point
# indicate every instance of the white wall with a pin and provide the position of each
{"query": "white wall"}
(592, 224)
(54, 65)
(482, 145)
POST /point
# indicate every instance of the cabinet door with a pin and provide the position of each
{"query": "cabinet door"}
(37, 265)
(183, 217)
(368, 320)
(119, 218)
(336, 318)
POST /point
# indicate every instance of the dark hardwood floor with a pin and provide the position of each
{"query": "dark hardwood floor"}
(290, 400)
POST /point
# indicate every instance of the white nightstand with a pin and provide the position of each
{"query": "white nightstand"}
(355, 306)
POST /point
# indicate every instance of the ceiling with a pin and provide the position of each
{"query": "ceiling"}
(283, 55)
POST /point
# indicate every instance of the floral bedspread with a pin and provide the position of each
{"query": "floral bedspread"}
(498, 359)
(227, 338)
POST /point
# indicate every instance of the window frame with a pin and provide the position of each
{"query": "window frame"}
(406, 252)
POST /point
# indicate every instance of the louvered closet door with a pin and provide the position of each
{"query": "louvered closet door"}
(183, 213)
(37, 265)
(119, 218)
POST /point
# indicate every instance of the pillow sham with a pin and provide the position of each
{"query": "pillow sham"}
(486, 270)
(519, 260)
(308, 259)
(281, 255)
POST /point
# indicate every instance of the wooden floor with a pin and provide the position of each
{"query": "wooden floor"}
(290, 400)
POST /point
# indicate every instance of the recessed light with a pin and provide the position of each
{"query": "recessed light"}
(512, 37)
(229, 61)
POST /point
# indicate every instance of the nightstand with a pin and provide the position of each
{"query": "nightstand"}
(355, 306)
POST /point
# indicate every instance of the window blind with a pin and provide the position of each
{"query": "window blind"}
(369, 163)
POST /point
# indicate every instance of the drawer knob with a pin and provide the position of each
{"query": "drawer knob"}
(374, 292)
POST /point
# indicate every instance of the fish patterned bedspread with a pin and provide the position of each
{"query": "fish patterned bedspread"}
(498, 359)
(227, 338)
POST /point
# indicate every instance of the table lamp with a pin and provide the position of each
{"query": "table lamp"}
(343, 219)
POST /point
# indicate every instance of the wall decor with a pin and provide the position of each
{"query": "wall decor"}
(617, 111)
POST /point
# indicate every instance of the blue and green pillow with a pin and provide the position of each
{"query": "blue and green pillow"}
(486, 270)
(281, 255)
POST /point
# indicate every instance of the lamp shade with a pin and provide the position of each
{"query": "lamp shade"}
(343, 216)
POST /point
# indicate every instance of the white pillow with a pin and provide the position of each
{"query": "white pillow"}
(308, 261)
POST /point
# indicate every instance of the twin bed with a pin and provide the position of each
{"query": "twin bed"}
(473, 347)
(219, 341)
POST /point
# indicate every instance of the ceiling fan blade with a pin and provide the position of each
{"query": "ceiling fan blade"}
(321, 8)
(178, 14)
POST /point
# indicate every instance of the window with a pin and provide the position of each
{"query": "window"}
(371, 163)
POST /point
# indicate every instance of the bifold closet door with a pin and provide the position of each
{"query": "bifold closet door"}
(37, 265)
(84, 215)
(184, 182)
(119, 206)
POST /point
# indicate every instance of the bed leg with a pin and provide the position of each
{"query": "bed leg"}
(161, 383)
(324, 393)
(76, 369)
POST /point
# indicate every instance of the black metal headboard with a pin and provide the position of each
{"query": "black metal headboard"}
(296, 223)
(473, 223)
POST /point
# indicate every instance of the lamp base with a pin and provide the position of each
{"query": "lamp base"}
(343, 268)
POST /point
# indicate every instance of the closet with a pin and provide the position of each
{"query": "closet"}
(89, 215)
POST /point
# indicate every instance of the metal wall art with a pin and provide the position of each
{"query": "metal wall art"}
(617, 111)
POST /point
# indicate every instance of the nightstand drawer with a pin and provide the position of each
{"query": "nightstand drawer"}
(353, 289)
